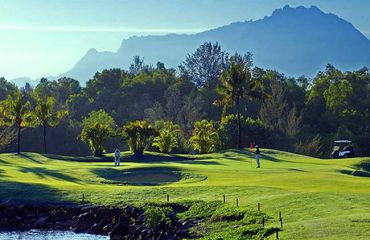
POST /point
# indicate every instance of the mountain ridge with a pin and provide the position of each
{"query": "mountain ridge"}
(294, 41)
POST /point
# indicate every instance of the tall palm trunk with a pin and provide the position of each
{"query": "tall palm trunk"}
(45, 150)
(239, 125)
(19, 139)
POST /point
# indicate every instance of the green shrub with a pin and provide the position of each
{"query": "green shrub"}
(227, 213)
(253, 131)
(96, 129)
(138, 135)
(199, 210)
(168, 137)
(205, 137)
(155, 215)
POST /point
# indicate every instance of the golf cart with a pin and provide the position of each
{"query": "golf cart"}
(343, 149)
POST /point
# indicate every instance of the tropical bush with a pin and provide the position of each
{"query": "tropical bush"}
(253, 131)
(96, 129)
(205, 137)
(138, 135)
(168, 137)
(155, 215)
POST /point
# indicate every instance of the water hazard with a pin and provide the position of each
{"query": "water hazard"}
(49, 235)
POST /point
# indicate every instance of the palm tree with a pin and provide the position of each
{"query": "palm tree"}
(138, 133)
(45, 115)
(236, 83)
(14, 111)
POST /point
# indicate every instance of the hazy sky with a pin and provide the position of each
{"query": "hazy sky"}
(47, 37)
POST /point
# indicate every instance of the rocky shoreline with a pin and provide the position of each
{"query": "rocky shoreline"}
(118, 223)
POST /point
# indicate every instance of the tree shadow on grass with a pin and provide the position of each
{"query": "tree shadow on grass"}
(4, 162)
(272, 159)
(2, 171)
(149, 158)
(78, 159)
(154, 158)
(202, 162)
(240, 157)
(250, 154)
(364, 165)
(42, 173)
(296, 170)
(25, 155)
(29, 193)
(356, 173)
(124, 158)
(145, 158)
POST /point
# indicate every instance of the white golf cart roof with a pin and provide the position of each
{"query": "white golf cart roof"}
(343, 141)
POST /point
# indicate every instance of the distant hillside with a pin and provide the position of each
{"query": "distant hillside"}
(295, 41)
(21, 81)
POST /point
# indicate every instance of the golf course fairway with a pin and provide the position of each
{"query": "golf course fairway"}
(318, 198)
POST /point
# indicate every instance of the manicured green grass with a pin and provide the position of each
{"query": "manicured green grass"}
(319, 199)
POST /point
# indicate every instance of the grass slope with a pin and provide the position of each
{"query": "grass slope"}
(319, 199)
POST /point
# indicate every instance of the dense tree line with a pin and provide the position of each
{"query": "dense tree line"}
(215, 101)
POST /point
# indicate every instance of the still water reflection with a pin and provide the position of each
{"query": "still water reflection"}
(49, 235)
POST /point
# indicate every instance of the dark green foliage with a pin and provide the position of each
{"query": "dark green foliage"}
(155, 215)
(16, 111)
(61, 89)
(45, 114)
(7, 136)
(253, 131)
(205, 64)
(338, 106)
(6, 88)
(300, 115)
(236, 84)
(309, 147)
(96, 129)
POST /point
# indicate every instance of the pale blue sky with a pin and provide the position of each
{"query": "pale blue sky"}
(47, 37)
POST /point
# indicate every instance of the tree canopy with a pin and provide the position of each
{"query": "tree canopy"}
(295, 114)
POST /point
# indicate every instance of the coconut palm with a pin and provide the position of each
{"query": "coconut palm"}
(236, 83)
(14, 111)
(45, 115)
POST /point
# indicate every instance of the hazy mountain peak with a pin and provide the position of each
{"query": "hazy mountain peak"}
(91, 52)
(291, 12)
(296, 41)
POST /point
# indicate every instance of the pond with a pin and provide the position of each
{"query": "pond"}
(49, 235)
